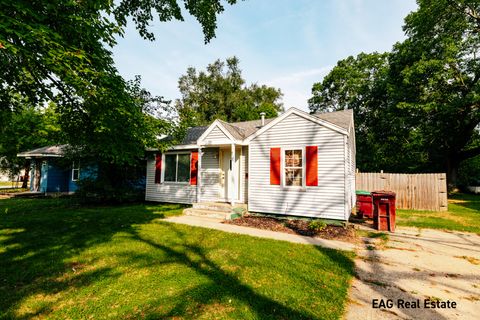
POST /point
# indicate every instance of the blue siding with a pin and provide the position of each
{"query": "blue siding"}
(89, 172)
(56, 178)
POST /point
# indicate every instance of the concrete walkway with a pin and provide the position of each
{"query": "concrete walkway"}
(417, 264)
(217, 224)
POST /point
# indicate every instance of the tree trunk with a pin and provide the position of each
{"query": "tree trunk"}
(26, 175)
(452, 173)
(37, 175)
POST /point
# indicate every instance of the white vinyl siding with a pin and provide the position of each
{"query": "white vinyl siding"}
(167, 192)
(325, 201)
(351, 168)
(216, 136)
(210, 175)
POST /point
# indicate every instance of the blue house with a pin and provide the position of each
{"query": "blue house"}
(50, 171)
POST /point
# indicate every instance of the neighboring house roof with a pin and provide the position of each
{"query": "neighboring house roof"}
(341, 118)
(45, 152)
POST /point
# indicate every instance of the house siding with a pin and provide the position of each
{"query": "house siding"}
(167, 192)
(351, 165)
(216, 136)
(210, 175)
(324, 201)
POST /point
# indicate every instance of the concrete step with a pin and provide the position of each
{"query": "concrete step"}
(206, 213)
(213, 206)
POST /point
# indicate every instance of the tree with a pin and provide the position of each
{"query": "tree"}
(59, 51)
(416, 108)
(438, 66)
(27, 128)
(220, 93)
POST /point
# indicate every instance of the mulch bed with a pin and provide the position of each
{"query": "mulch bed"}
(296, 226)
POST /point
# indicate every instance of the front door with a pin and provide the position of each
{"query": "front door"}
(225, 172)
(226, 182)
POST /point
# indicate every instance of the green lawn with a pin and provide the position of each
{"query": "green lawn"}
(463, 215)
(60, 260)
(8, 183)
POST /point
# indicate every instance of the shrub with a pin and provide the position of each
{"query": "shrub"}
(317, 225)
(94, 191)
(469, 172)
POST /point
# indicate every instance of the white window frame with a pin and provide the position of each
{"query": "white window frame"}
(75, 169)
(164, 166)
(304, 167)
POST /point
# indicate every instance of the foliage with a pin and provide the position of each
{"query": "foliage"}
(417, 107)
(59, 51)
(463, 215)
(58, 258)
(469, 172)
(317, 225)
(220, 92)
(28, 128)
(101, 191)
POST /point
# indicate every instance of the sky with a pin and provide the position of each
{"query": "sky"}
(288, 44)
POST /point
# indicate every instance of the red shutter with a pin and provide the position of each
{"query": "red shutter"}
(312, 165)
(275, 166)
(158, 167)
(194, 168)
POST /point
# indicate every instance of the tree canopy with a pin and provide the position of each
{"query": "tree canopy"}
(59, 51)
(28, 128)
(416, 107)
(220, 92)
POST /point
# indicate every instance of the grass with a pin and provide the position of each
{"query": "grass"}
(60, 260)
(463, 215)
(13, 190)
(9, 183)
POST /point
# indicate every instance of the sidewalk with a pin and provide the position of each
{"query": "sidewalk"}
(216, 224)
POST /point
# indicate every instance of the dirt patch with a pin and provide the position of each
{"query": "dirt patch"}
(296, 226)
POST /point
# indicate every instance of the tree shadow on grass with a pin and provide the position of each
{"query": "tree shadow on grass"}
(42, 240)
(222, 284)
(38, 239)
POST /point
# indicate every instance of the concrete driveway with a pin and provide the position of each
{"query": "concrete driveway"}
(413, 266)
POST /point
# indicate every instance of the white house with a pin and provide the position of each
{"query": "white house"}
(297, 164)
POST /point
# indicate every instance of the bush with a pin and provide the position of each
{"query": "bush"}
(469, 172)
(92, 191)
(317, 225)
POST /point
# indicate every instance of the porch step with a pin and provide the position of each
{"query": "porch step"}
(213, 206)
(206, 213)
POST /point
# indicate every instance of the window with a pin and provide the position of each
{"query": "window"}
(177, 167)
(293, 167)
(75, 171)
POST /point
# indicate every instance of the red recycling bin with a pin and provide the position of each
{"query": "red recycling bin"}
(364, 204)
(384, 210)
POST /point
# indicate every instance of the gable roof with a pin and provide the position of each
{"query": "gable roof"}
(318, 120)
(193, 134)
(338, 120)
(341, 118)
(48, 151)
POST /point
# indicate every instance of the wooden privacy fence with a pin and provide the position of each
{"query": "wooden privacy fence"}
(414, 191)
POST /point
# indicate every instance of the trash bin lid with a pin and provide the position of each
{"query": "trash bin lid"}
(363, 193)
(382, 193)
